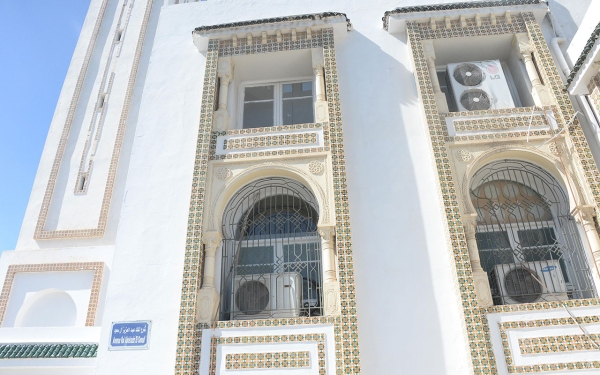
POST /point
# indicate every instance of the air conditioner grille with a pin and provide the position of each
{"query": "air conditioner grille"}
(475, 100)
(252, 297)
(522, 286)
(468, 74)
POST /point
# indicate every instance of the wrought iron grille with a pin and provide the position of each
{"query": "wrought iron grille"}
(528, 241)
(271, 253)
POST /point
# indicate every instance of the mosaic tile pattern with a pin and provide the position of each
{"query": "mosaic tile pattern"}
(477, 327)
(594, 88)
(250, 361)
(512, 368)
(266, 131)
(501, 122)
(97, 267)
(589, 45)
(318, 337)
(558, 344)
(546, 305)
(40, 233)
(58, 350)
(270, 141)
(345, 325)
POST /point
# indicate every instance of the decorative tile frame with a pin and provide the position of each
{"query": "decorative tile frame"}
(475, 318)
(40, 232)
(580, 365)
(251, 361)
(345, 325)
(558, 344)
(97, 267)
(318, 337)
(265, 135)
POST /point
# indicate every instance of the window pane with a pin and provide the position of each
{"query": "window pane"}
(258, 93)
(537, 237)
(255, 260)
(492, 240)
(298, 111)
(297, 90)
(258, 114)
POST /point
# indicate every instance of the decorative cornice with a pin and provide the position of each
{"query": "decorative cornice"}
(313, 16)
(584, 55)
(48, 350)
(454, 6)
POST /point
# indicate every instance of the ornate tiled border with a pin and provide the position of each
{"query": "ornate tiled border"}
(274, 43)
(505, 326)
(40, 233)
(295, 139)
(319, 338)
(250, 361)
(50, 350)
(345, 325)
(97, 267)
(263, 133)
(475, 318)
(487, 26)
(558, 344)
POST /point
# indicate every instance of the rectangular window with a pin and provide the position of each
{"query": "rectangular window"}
(281, 103)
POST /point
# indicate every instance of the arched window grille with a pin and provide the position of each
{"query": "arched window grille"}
(271, 254)
(527, 238)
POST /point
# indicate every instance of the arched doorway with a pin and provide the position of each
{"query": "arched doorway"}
(527, 239)
(271, 252)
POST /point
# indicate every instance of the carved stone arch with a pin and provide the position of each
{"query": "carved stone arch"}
(569, 182)
(267, 169)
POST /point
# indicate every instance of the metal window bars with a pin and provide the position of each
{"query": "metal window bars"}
(527, 238)
(271, 252)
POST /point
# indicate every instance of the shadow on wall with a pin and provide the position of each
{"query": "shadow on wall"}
(569, 20)
(394, 281)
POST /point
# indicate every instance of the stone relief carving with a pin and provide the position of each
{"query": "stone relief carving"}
(464, 155)
(315, 167)
(223, 173)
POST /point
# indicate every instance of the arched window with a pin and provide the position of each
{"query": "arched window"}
(527, 239)
(271, 254)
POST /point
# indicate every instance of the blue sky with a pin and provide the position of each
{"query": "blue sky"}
(37, 39)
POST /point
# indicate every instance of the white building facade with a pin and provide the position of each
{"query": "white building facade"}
(330, 187)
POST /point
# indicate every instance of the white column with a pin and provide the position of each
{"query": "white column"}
(321, 107)
(208, 298)
(585, 215)
(480, 277)
(331, 286)
(225, 74)
(440, 97)
(540, 93)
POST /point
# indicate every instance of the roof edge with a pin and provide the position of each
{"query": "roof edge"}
(589, 45)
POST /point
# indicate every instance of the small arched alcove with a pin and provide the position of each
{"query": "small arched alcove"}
(528, 241)
(271, 252)
(48, 308)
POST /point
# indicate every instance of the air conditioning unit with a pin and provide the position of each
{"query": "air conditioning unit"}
(271, 295)
(479, 86)
(518, 282)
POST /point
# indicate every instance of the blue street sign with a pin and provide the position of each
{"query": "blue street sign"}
(130, 335)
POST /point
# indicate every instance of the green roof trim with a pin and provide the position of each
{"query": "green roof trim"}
(50, 350)
(452, 6)
(314, 16)
(584, 54)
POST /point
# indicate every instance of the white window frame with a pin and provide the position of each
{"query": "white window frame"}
(277, 97)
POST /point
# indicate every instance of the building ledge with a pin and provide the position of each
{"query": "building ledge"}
(586, 66)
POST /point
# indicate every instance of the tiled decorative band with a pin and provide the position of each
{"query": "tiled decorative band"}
(504, 327)
(97, 267)
(319, 338)
(487, 26)
(270, 141)
(557, 344)
(246, 361)
(49, 350)
(287, 42)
